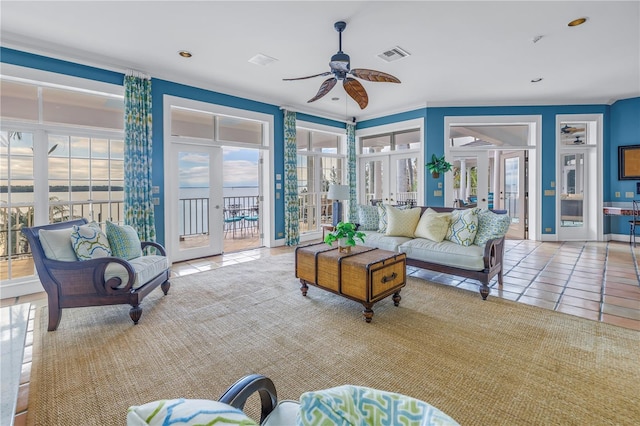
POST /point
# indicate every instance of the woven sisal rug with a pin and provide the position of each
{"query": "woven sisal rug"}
(482, 362)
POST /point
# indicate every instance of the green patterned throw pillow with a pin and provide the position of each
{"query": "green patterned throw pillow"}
(368, 218)
(124, 241)
(358, 405)
(491, 225)
(463, 227)
(89, 242)
(185, 412)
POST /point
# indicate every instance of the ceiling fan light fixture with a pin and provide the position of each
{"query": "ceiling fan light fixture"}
(577, 22)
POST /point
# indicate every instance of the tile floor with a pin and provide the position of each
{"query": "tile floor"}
(599, 281)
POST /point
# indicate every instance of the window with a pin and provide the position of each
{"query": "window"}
(319, 165)
(61, 157)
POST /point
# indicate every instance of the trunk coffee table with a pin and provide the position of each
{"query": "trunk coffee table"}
(365, 275)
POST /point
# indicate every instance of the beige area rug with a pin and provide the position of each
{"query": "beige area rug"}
(491, 362)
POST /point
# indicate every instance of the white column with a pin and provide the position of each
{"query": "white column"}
(463, 180)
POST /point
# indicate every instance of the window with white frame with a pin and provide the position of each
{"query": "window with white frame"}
(320, 164)
(61, 158)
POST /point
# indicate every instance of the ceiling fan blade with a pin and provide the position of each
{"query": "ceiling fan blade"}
(326, 86)
(309, 76)
(356, 91)
(373, 75)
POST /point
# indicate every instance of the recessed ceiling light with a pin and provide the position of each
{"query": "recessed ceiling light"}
(536, 80)
(185, 53)
(577, 22)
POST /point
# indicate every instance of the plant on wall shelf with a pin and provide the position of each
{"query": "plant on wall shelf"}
(438, 165)
(346, 234)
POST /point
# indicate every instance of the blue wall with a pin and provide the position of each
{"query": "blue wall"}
(621, 122)
(621, 127)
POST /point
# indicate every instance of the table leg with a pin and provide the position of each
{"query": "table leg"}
(396, 298)
(304, 287)
(367, 312)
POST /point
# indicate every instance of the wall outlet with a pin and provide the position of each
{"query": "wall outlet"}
(553, 184)
(156, 201)
(155, 189)
(547, 229)
(277, 195)
(629, 194)
(439, 185)
(617, 194)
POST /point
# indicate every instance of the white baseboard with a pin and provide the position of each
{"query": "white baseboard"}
(17, 289)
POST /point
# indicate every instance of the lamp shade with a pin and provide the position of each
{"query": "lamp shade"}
(338, 192)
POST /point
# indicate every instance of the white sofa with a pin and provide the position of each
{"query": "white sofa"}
(480, 260)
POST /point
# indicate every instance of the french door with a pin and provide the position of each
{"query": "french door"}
(574, 196)
(390, 179)
(195, 202)
(513, 192)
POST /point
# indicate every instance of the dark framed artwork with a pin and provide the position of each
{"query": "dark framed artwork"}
(629, 162)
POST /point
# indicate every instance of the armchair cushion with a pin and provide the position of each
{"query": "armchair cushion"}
(89, 242)
(186, 412)
(146, 268)
(124, 241)
(56, 244)
(358, 405)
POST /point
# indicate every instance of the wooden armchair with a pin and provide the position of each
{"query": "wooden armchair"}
(94, 282)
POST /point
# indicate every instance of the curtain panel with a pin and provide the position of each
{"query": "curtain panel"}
(351, 172)
(291, 206)
(138, 203)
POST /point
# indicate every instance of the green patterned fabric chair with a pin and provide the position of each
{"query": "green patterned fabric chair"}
(346, 405)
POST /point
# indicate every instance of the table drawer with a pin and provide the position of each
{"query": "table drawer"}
(387, 279)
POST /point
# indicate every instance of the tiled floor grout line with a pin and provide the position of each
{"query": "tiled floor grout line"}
(564, 287)
(603, 284)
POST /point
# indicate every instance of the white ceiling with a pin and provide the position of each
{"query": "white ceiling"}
(462, 52)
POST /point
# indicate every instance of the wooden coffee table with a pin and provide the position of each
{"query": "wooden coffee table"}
(366, 275)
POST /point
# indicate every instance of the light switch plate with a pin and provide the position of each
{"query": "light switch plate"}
(437, 193)
(278, 186)
(629, 194)
(553, 184)
(549, 192)
(278, 176)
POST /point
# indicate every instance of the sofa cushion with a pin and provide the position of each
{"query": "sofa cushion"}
(124, 241)
(89, 242)
(368, 218)
(146, 268)
(444, 253)
(463, 227)
(186, 412)
(56, 244)
(383, 241)
(402, 223)
(433, 226)
(491, 225)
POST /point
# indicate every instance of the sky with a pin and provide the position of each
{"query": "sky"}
(240, 168)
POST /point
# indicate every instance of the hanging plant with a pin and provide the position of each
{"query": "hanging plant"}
(437, 166)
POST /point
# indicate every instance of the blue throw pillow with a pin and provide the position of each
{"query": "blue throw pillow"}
(368, 217)
(124, 241)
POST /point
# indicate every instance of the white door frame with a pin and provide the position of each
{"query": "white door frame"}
(268, 183)
(535, 159)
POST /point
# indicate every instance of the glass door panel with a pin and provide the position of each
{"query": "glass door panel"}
(405, 186)
(374, 172)
(512, 192)
(572, 195)
(198, 223)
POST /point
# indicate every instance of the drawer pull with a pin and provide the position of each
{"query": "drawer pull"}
(390, 278)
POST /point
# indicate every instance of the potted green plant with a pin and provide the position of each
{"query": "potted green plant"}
(438, 165)
(346, 234)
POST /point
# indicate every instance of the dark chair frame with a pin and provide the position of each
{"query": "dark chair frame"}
(81, 283)
(240, 391)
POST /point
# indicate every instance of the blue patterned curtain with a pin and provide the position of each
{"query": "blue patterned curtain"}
(138, 204)
(351, 172)
(291, 206)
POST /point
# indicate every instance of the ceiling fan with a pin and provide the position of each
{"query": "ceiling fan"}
(341, 69)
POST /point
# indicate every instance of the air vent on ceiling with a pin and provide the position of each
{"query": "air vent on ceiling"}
(393, 54)
(261, 59)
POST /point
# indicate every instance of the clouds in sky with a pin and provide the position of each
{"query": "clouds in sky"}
(240, 168)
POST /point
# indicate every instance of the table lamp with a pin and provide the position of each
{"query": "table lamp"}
(337, 193)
